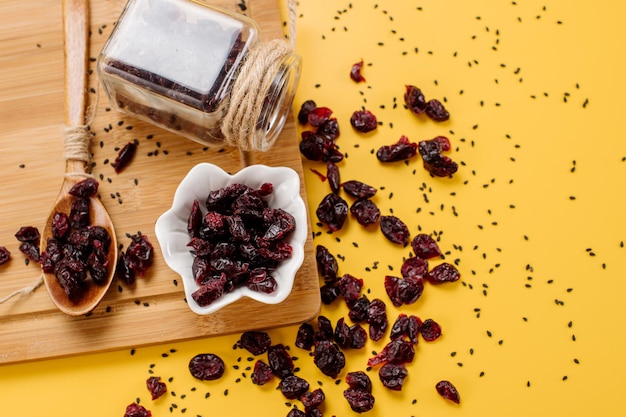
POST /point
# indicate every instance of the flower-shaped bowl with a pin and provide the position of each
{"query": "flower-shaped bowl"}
(173, 237)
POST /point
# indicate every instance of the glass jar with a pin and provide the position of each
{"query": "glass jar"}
(174, 63)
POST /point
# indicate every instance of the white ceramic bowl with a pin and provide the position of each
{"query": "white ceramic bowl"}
(171, 227)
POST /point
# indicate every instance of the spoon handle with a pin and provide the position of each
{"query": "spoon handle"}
(75, 26)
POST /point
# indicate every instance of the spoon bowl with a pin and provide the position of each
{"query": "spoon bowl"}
(77, 156)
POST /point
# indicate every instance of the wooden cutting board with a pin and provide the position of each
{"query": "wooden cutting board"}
(31, 106)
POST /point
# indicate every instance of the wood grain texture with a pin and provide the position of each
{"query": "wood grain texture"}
(32, 109)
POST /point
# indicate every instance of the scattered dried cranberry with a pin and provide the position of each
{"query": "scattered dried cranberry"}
(350, 288)
(332, 211)
(396, 351)
(448, 391)
(5, 255)
(353, 336)
(425, 247)
(359, 309)
(329, 293)
(305, 338)
(324, 329)
(206, 366)
(404, 290)
(332, 173)
(327, 266)
(294, 412)
(444, 272)
(363, 121)
(394, 229)
(392, 375)
(414, 99)
(414, 266)
(329, 129)
(255, 342)
(139, 254)
(430, 330)
(28, 234)
(355, 72)
(436, 111)
(365, 211)
(359, 380)
(305, 109)
(328, 358)
(280, 361)
(136, 410)
(85, 188)
(434, 162)
(156, 387)
(399, 151)
(31, 250)
(293, 387)
(319, 115)
(262, 373)
(377, 319)
(406, 326)
(313, 399)
(124, 156)
(358, 189)
(359, 399)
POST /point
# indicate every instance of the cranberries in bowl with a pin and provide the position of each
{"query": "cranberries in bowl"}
(232, 236)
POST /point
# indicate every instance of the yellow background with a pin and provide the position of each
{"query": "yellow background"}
(538, 243)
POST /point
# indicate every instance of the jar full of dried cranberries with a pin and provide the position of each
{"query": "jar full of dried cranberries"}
(199, 71)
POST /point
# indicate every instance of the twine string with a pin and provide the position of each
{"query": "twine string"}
(255, 78)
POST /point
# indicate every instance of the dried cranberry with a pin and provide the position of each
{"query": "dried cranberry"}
(280, 361)
(332, 173)
(399, 151)
(136, 410)
(396, 351)
(414, 266)
(434, 162)
(305, 109)
(327, 266)
(377, 319)
(404, 290)
(363, 121)
(319, 115)
(123, 271)
(31, 250)
(425, 247)
(28, 234)
(359, 380)
(60, 225)
(293, 387)
(406, 326)
(71, 276)
(436, 111)
(316, 147)
(262, 373)
(194, 221)
(85, 188)
(448, 391)
(260, 281)
(209, 291)
(305, 338)
(139, 254)
(79, 213)
(332, 211)
(414, 99)
(349, 336)
(324, 329)
(124, 156)
(444, 272)
(392, 375)
(313, 399)
(279, 224)
(394, 229)
(255, 342)
(360, 400)
(358, 310)
(329, 129)
(329, 293)
(355, 72)
(358, 189)
(156, 387)
(206, 366)
(350, 288)
(430, 330)
(365, 211)
(328, 358)
(5, 255)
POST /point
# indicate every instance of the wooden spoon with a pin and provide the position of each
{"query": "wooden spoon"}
(76, 29)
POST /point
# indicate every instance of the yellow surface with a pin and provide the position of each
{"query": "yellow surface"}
(539, 246)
